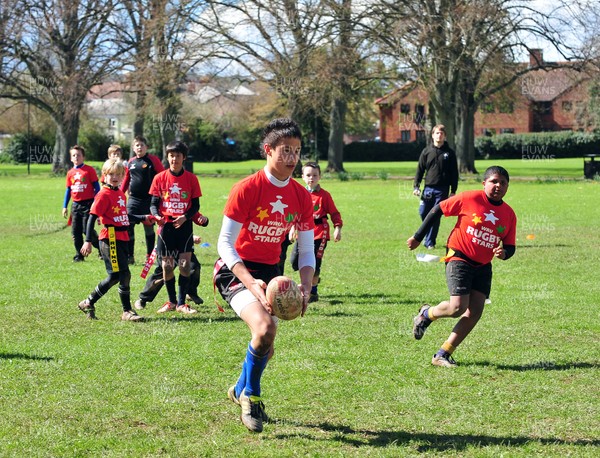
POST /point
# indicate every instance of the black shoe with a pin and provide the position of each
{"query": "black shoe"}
(78, 258)
(131, 260)
(195, 298)
(313, 298)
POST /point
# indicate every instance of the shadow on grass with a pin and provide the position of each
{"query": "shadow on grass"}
(427, 442)
(548, 245)
(24, 356)
(535, 366)
(220, 318)
(370, 298)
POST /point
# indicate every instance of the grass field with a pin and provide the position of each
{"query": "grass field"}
(348, 379)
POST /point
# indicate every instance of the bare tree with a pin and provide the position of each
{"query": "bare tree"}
(452, 46)
(160, 51)
(53, 52)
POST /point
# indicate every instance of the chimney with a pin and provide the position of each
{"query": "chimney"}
(536, 58)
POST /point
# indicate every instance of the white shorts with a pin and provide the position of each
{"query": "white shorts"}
(243, 299)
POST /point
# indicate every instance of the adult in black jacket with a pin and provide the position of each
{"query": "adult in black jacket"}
(438, 164)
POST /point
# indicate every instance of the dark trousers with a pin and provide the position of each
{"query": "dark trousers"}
(122, 277)
(80, 212)
(430, 197)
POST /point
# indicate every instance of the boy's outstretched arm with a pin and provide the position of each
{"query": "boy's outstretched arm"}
(434, 215)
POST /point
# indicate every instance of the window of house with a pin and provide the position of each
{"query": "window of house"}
(507, 130)
(419, 113)
(405, 136)
(421, 136)
(112, 122)
(488, 132)
(405, 108)
(567, 105)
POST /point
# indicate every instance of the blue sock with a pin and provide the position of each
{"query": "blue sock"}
(314, 290)
(442, 353)
(241, 383)
(426, 314)
(255, 365)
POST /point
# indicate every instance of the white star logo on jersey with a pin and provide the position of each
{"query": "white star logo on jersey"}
(175, 189)
(77, 176)
(121, 202)
(278, 206)
(491, 217)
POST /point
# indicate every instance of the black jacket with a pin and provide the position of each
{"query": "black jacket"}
(440, 165)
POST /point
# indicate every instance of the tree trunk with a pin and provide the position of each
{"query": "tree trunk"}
(335, 154)
(465, 132)
(66, 137)
(138, 124)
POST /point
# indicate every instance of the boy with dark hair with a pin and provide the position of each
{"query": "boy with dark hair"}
(259, 211)
(323, 205)
(109, 206)
(175, 201)
(82, 186)
(485, 229)
(141, 170)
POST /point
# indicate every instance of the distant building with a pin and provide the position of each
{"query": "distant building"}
(551, 99)
(106, 103)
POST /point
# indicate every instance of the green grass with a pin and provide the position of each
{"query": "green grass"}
(347, 380)
(571, 168)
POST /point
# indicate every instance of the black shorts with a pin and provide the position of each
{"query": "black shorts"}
(462, 277)
(229, 285)
(172, 241)
(138, 206)
(122, 255)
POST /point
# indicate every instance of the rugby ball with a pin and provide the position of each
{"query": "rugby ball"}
(284, 297)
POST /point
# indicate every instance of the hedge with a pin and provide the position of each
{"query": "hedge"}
(541, 145)
(382, 152)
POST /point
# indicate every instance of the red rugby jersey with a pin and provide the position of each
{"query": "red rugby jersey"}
(175, 192)
(81, 180)
(480, 226)
(111, 208)
(266, 213)
(323, 205)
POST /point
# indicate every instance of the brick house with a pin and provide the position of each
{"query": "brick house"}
(550, 99)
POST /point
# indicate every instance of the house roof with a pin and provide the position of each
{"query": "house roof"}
(542, 85)
(545, 85)
(396, 94)
(106, 107)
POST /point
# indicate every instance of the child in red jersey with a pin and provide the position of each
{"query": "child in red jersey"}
(82, 186)
(109, 205)
(486, 228)
(259, 212)
(323, 205)
(175, 201)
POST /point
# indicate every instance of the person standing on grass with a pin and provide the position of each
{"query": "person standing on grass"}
(82, 186)
(258, 214)
(110, 207)
(438, 163)
(323, 205)
(141, 170)
(175, 201)
(486, 229)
